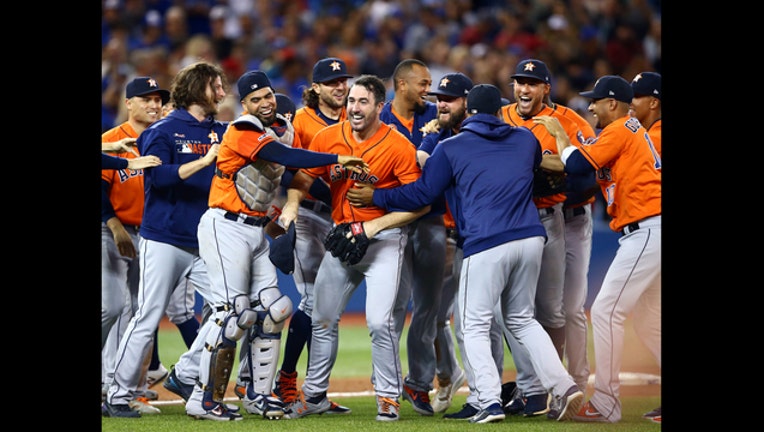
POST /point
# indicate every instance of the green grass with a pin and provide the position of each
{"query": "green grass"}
(354, 361)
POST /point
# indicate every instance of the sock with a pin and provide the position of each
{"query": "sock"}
(154, 364)
(188, 331)
(300, 329)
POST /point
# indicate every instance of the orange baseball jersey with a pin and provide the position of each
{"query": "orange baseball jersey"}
(307, 123)
(655, 135)
(391, 158)
(238, 148)
(628, 171)
(126, 186)
(585, 132)
(548, 142)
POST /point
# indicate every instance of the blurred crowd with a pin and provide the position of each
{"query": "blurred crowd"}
(579, 40)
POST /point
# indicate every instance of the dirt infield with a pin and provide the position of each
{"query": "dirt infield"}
(363, 384)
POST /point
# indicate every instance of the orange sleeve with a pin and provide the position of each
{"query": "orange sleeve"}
(238, 148)
(126, 186)
(629, 171)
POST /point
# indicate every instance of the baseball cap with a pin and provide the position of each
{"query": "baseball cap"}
(532, 68)
(454, 85)
(647, 84)
(144, 85)
(611, 86)
(252, 81)
(484, 98)
(329, 69)
(285, 106)
(281, 251)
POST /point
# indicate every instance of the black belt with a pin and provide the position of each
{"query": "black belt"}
(575, 211)
(452, 233)
(316, 206)
(629, 228)
(249, 220)
(546, 211)
(223, 175)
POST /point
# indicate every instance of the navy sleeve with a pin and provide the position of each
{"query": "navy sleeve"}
(295, 157)
(435, 179)
(107, 211)
(113, 162)
(577, 164)
(318, 190)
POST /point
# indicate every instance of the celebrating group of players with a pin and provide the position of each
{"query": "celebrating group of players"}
(496, 233)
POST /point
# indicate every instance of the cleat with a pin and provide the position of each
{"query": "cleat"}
(148, 394)
(445, 393)
(494, 413)
(588, 413)
(240, 389)
(467, 412)
(569, 403)
(302, 407)
(286, 387)
(268, 406)
(108, 410)
(336, 408)
(141, 404)
(387, 409)
(536, 405)
(219, 413)
(420, 400)
(154, 377)
(654, 413)
(178, 387)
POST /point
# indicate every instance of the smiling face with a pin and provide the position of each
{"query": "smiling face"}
(261, 103)
(145, 109)
(332, 94)
(363, 110)
(530, 94)
(415, 87)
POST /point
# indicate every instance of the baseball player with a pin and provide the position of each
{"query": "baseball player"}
(629, 173)
(422, 278)
(122, 212)
(646, 107)
(579, 224)
(646, 104)
(392, 161)
(244, 295)
(451, 92)
(324, 104)
(532, 82)
(187, 142)
(503, 244)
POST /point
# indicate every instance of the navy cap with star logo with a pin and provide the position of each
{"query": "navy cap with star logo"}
(144, 85)
(532, 68)
(647, 84)
(329, 69)
(454, 85)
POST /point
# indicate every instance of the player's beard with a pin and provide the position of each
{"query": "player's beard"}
(420, 107)
(454, 119)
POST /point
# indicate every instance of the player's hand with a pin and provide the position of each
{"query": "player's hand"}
(125, 145)
(353, 163)
(288, 215)
(211, 155)
(143, 162)
(124, 243)
(431, 126)
(361, 195)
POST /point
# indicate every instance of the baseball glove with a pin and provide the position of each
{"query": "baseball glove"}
(348, 242)
(547, 183)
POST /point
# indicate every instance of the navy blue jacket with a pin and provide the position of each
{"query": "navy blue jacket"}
(173, 207)
(486, 173)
